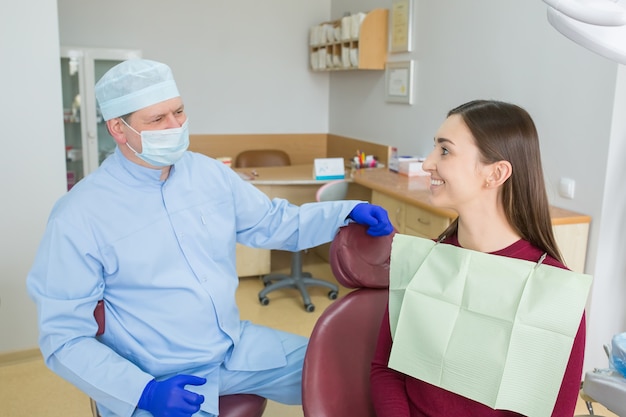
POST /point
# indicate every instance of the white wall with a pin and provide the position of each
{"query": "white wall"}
(507, 50)
(32, 164)
(241, 67)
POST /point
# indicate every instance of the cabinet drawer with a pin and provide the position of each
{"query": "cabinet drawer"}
(424, 222)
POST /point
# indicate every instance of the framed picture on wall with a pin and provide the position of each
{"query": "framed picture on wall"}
(399, 82)
(401, 25)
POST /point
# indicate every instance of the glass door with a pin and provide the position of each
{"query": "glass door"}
(106, 144)
(72, 120)
(87, 140)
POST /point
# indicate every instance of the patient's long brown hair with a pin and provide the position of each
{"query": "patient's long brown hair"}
(504, 131)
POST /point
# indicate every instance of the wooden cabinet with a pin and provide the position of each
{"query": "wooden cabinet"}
(424, 223)
(356, 42)
(572, 241)
(252, 261)
(410, 219)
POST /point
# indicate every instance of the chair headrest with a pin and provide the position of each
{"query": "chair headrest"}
(359, 260)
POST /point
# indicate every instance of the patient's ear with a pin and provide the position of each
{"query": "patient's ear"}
(500, 172)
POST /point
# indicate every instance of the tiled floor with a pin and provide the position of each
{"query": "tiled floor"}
(29, 389)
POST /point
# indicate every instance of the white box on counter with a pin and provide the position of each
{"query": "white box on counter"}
(329, 168)
(411, 167)
(405, 165)
(395, 161)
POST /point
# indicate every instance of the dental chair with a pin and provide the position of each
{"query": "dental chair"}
(336, 371)
(297, 278)
(605, 387)
(234, 405)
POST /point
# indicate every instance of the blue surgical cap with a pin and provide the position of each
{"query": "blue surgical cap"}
(133, 85)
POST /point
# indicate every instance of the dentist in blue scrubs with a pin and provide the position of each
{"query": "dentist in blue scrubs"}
(152, 233)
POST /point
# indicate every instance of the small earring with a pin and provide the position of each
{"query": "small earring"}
(487, 184)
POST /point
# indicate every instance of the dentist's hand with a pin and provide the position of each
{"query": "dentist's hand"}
(373, 216)
(169, 398)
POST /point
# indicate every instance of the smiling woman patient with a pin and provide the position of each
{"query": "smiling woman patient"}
(486, 166)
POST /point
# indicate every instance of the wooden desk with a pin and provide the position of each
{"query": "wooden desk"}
(407, 202)
(285, 175)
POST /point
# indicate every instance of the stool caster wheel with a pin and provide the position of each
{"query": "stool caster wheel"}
(264, 301)
(332, 295)
(309, 308)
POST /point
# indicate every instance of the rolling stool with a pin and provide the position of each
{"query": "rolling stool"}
(297, 278)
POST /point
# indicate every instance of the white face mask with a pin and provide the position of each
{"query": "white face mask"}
(162, 148)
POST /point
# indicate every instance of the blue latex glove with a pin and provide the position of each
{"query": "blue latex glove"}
(373, 216)
(169, 398)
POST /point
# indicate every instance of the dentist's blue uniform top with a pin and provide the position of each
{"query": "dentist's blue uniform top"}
(161, 254)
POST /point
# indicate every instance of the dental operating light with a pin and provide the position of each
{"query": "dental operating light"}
(598, 25)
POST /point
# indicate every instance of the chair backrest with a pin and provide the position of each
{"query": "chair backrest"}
(335, 379)
(262, 158)
(332, 191)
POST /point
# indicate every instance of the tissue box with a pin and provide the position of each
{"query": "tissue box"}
(411, 167)
(329, 169)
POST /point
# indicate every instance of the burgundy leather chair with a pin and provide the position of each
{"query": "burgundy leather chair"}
(235, 405)
(255, 158)
(335, 380)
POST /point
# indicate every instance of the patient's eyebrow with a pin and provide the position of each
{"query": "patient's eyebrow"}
(443, 140)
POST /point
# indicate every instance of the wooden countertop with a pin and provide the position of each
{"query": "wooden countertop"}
(415, 191)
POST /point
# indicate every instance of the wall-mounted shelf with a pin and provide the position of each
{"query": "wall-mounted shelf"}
(356, 42)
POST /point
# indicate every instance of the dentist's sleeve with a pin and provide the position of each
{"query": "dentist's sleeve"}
(278, 224)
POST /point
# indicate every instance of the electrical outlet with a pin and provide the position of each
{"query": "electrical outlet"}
(567, 187)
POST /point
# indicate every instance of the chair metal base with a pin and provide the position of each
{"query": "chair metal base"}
(297, 279)
(588, 403)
